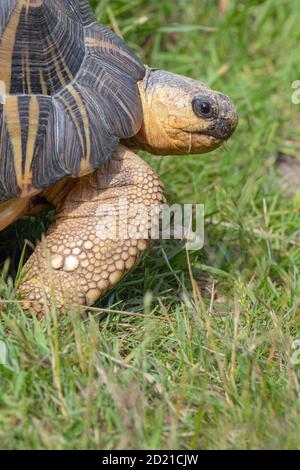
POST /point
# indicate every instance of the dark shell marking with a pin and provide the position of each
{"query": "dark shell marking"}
(71, 89)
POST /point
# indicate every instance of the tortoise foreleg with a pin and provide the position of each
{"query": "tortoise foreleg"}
(97, 235)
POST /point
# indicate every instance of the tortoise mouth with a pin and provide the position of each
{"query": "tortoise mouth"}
(209, 135)
(221, 130)
(201, 142)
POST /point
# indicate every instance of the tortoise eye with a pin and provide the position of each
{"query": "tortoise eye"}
(202, 107)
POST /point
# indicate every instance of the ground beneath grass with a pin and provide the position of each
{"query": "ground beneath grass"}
(176, 357)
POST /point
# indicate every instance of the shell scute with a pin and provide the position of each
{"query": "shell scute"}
(71, 93)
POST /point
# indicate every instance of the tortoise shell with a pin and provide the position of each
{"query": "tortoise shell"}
(71, 93)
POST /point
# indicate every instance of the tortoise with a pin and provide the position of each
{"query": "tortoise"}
(78, 105)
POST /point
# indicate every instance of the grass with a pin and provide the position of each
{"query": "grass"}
(180, 359)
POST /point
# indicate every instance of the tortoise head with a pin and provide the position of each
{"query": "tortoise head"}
(182, 115)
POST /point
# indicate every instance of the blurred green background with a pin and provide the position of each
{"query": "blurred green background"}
(185, 358)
